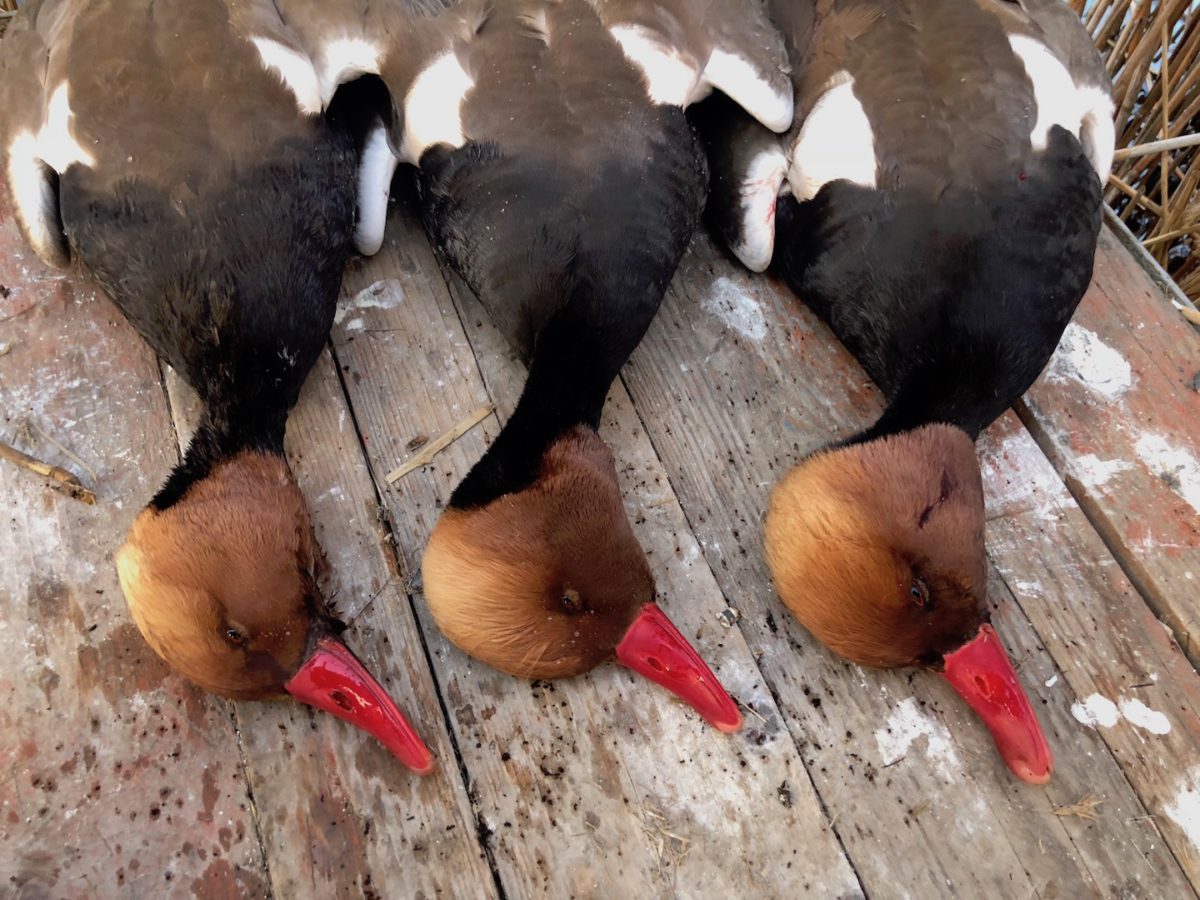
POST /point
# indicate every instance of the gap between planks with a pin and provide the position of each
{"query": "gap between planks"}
(386, 517)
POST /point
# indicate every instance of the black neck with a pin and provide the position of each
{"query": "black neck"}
(568, 381)
(917, 404)
(221, 436)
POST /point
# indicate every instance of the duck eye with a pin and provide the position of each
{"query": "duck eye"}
(571, 601)
(919, 593)
(235, 636)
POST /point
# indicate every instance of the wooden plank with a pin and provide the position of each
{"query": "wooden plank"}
(115, 776)
(601, 785)
(338, 815)
(1118, 412)
(735, 382)
(1117, 659)
(695, 601)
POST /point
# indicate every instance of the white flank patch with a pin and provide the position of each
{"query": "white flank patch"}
(1184, 810)
(1138, 713)
(375, 171)
(736, 308)
(1094, 472)
(755, 245)
(433, 107)
(904, 726)
(835, 141)
(295, 69)
(56, 143)
(54, 146)
(746, 86)
(1097, 711)
(1053, 90)
(1175, 465)
(670, 78)
(345, 59)
(1081, 356)
(385, 294)
(33, 194)
(1096, 130)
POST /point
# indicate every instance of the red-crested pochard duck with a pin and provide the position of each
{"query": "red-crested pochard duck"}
(559, 176)
(150, 142)
(937, 203)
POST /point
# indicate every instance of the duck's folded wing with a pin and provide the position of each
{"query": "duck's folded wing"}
(1064, 35)
(686, 48)
(37, 142)
(315, 49)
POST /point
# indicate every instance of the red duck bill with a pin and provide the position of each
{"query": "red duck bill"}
(654, 647)
(334, 680)
(983, 675)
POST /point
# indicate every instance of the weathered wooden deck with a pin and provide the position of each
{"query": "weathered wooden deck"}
(116, 778)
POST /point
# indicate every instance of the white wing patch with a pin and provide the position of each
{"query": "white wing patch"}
(1085, 111)
(343, 60)
(670, 78)
(1053, 89)
(737, 77)
(433, 107)
(674, 78)
(835, 141)
(295, 69)
(375, 172)
(759, 190)
(30, 157)
(36, 203)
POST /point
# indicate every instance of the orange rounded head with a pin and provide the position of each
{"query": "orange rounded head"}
(549, 581)
(877, 548)
(221, 584)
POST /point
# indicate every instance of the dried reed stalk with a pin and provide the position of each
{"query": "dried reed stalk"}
(1152, 51)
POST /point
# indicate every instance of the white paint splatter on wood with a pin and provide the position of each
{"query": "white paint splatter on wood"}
(1097, 711)
(1012, 483)
(733, 305)
(906, 724)
(384, 294)
(1093, 472)
(1174, 465)
(1184, 810)
(1138, 713)
(1084, 358)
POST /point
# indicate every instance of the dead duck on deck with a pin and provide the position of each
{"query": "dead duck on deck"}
(937, 203)
(559, 176)
(152, 144)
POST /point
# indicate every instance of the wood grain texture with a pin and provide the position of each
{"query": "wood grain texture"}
(339, 815)
(737, 371)
(602, 785)
(1118, 412)
(116, 778)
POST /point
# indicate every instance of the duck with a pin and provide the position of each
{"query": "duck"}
(556, 172)
(936, 202)
(217, 211)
